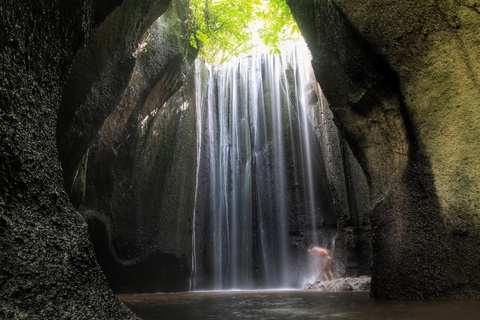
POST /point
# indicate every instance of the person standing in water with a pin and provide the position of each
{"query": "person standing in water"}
(322, 255)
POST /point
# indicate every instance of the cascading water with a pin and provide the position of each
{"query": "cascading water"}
(262, 192)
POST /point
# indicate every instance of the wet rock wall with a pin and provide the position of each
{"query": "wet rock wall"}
(402, 81)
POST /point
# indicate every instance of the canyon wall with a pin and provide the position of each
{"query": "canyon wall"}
(48, 267)
(141, 168)
(402, 80)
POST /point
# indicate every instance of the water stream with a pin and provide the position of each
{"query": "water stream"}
(277, 305)
(262, 192)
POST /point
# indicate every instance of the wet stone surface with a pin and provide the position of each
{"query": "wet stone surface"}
(342, 284)
(293, 305)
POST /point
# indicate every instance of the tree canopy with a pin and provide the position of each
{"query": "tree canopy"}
(223, 29)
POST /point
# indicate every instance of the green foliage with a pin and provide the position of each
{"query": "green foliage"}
(223, 29)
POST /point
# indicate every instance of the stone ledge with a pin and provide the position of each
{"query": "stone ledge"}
(341, 284)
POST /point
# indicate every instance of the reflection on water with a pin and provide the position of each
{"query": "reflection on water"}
(294, 305)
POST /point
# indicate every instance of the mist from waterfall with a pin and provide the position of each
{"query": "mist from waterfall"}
(262, 193)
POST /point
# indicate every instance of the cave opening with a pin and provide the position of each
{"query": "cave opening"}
(171, 208)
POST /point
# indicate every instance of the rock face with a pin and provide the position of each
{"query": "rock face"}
(402, 80)
(341, 284)
(352, 252)
(47, 264)
(97, 80)
(140, 189)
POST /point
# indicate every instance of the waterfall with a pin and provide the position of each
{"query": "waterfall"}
(262, 192)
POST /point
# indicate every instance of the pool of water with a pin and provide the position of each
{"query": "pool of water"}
(294, 305)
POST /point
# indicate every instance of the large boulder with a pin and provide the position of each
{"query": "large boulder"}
(402, 79)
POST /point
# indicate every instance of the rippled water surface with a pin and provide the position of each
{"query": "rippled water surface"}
(293, 305)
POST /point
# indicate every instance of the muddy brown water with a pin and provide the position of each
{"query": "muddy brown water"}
(294, 305)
